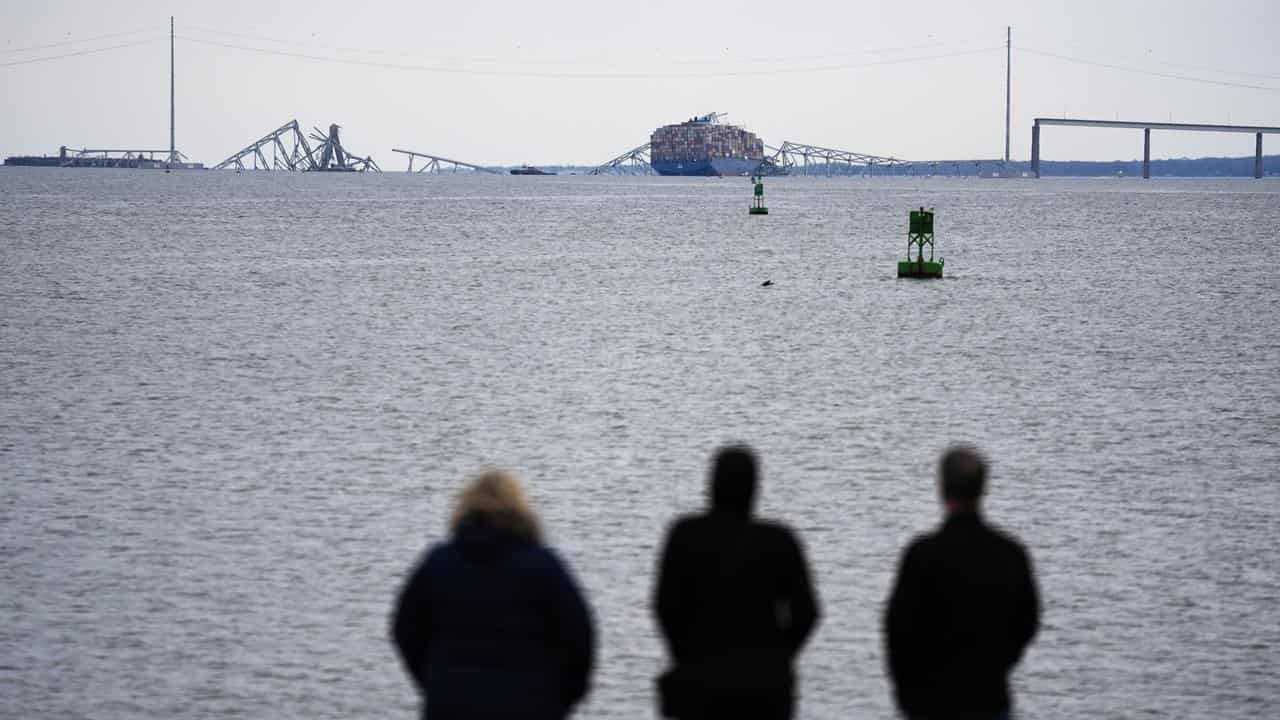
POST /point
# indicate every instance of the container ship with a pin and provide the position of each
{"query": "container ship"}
(145, 159)
(704, 146)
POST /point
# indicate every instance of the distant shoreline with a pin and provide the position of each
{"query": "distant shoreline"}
(1204, 167)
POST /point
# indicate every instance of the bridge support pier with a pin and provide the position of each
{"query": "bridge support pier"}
(1257, 157)
(1146, 153)
(1035, 149)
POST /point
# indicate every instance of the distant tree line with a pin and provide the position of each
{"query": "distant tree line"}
(1175, 167)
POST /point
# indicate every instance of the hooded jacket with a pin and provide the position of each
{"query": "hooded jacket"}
(491, 625)
(735, 604)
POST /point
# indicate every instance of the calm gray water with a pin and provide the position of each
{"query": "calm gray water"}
(234, 409)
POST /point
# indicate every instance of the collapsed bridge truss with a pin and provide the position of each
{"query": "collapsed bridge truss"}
(437, 164)
(799, 158)
(288, 149)
(631, 162)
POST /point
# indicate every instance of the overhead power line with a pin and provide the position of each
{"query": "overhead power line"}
(1222, 71)
(597, 60)
(8, 51)
(607, 75)
(1152, 73)
(827, 56)
(584, 75)
(315, 46)
(76, 54)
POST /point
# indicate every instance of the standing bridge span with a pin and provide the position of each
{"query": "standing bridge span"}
(1146, 128)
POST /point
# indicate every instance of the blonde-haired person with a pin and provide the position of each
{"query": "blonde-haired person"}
(491, 623)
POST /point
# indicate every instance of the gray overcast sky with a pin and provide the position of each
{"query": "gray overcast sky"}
(580, 81)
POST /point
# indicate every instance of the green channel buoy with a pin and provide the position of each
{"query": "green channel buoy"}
(757, 203)
(920, 232)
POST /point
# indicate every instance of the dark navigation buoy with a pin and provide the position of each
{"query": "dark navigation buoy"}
(919, 234)
(757, 204)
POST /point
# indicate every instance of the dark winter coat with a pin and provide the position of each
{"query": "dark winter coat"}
(963, 609)
(735, 605)
(492, 626)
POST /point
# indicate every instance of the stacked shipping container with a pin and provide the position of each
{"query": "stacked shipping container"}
(694, 147)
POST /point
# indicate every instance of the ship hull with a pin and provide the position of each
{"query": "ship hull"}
(98, 162)
(710, 167)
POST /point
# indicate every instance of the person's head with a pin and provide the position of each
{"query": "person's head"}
(962, 478)
(733, 480)
(497, 498)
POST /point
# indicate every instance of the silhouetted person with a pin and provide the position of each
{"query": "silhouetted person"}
(963, 609)
(734, 602)
(491, 624)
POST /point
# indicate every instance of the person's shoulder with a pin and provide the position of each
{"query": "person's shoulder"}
(776, 533)
(433, 558)
(542, 553)
(685, 524)
(923, 544)
(774, 528)
(539, 558)
(1006, 538)
(439, 550)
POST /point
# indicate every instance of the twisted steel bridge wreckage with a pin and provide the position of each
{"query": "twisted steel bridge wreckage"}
(286, 148)
(790, 159)
(437, 164)
(801, 159)
(289, 150)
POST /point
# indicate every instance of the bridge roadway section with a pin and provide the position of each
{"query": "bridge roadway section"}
(1146, 128)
